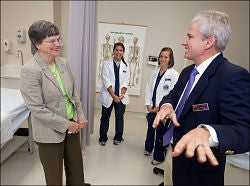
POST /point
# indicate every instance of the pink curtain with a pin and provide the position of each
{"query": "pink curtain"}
(82, 57)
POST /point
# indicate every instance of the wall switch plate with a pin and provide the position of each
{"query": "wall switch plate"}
(21, 36)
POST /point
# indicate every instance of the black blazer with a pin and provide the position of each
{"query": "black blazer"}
(223, 92)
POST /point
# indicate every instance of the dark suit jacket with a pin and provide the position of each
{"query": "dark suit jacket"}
(224, 87)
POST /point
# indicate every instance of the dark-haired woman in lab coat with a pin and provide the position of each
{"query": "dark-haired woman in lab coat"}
(115, 79)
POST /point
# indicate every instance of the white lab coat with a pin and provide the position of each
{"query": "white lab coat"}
(108, 79)
(166, 84)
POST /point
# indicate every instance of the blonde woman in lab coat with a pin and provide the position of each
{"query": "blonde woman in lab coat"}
(162, 80)
(115, 79)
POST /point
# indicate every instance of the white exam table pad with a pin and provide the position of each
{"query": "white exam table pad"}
(13, 112)
(6, 128)
(239, 160)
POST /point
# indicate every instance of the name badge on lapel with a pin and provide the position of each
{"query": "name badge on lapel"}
(200, 107)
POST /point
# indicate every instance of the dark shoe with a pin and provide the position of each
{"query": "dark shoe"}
(155, 162)
(102, 143)
(146, 153)
(161, 184)
(116, 142)
(87, 184)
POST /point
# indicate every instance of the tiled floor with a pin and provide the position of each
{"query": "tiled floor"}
(124, 164)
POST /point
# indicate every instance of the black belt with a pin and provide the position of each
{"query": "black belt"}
(72, 119)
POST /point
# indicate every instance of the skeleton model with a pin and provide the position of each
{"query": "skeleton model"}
(106, 53)
(134, 54)
(121, 39)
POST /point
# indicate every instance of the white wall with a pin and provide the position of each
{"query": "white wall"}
(16, 15)
(64, 32)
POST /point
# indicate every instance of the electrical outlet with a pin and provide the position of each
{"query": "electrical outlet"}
(6, 45)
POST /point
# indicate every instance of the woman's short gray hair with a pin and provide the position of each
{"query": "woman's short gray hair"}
(39, 30)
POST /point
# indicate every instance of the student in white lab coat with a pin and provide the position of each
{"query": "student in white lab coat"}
(115, 79)
(162, 80)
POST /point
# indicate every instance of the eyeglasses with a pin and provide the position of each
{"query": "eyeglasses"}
(53, 41)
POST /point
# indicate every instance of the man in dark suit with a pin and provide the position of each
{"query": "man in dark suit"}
(215, 119)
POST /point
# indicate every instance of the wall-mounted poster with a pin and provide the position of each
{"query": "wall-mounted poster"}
(133, 38)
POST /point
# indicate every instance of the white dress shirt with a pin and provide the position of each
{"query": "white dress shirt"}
(213, 139)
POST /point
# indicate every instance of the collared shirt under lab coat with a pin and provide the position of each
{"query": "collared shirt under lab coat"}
(166, 84)
(108, 79)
